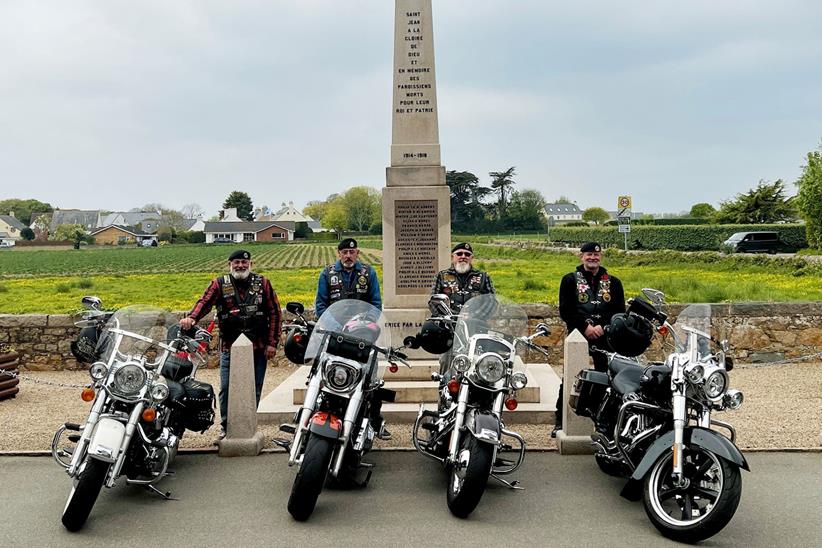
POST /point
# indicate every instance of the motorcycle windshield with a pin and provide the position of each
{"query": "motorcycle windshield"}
(695, 325)
(352, 328)
(143, 327)
(488, 314)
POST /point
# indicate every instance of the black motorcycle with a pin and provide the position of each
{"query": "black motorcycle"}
(143, 397)
(340, 416)
(653, 421)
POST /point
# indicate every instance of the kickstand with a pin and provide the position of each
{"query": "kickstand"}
(166, 495)
(284, 443)
(511, 484)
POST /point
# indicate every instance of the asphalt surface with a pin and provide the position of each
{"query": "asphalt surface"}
(242, 502)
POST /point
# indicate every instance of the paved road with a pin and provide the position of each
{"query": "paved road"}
(241, 502)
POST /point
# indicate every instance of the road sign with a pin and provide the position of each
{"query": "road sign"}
(625, 229)
(624, 202)
(623, 220)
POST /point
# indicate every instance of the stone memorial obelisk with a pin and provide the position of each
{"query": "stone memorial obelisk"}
(416, 200)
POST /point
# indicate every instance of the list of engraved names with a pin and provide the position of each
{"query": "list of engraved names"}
(416, 243)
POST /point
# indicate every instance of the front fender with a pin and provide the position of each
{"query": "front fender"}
(483, 426)
(107, 439)
(325, 425)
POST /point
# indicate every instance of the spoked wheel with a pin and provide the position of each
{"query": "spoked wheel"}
(469, 476)
(83, 495)
(700, 508)
(310, 479)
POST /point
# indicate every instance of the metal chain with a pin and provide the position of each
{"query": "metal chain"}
(40, 381)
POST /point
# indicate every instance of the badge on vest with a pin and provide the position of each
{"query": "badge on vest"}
(583, 297)
(362, 280)
(334, 280)
(606, 296)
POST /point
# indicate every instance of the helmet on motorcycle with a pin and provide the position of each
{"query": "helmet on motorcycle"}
(362, 327)
(629, 334)
(84, 347)
(296, 343)
(435, 338)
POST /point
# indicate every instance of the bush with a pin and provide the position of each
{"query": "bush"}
(376, 228)
(3, 289)
(62, 288)
(84, 283)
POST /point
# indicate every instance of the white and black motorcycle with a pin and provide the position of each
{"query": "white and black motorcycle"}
(340, 416)
(143, 396)
(467, 433)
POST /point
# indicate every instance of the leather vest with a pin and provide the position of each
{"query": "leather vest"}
(462, 288)
(246, 316)
(592, 305)
(337, 288)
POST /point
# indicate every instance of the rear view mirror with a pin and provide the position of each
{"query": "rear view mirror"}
(92, 303)
(439, 304)
(295, 308)
(411, 342)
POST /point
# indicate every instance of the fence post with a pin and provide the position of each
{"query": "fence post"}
(575, 436)
(242, 439)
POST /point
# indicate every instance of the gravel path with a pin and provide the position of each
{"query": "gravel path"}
(782, 409)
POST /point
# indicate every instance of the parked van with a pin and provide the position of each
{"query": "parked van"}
(753, 242)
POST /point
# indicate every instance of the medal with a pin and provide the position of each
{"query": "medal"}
(583, 297)
(362, 280)
(606, 296)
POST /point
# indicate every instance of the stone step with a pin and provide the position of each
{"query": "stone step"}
(279, 407)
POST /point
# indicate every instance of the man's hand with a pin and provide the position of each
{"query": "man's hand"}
(269, 352)
(594, 331)
(187, 322)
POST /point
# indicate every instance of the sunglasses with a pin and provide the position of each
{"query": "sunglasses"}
(463, 254)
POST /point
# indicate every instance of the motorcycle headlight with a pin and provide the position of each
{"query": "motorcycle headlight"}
(695, 373)
(716, 384)
(159, 391)
(461, 363)
(733, 399)
(98, 371)
(340, 376)
(519, 380)
(129, 379)
(490, 368)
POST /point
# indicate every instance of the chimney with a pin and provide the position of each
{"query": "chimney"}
(11, 214)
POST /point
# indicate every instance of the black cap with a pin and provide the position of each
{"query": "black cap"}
(240, 254)
(589, 247)
(348, 243)
(463, 245)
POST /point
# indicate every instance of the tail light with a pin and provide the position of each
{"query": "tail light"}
(297, 338)
(453, 386)
(662, 329)
(87, 394)
(149, 414)
(511, 404)
(393, 368)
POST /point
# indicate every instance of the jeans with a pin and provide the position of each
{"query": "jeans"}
(260, 362)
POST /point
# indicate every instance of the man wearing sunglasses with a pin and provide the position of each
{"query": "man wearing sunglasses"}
(348, 278)
(462, 281)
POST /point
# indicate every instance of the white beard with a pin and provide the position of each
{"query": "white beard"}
(462, 268)
(237, 275)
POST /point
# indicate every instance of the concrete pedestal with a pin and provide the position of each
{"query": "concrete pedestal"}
(575, 436)
(242, 438)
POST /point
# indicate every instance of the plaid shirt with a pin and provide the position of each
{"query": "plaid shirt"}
(213, 294)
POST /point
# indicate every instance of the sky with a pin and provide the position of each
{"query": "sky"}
(112, 104)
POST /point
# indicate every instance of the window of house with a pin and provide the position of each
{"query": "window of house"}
(248, 236)
(277, 235)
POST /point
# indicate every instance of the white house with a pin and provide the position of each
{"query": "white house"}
(563, 213)
(247, 231)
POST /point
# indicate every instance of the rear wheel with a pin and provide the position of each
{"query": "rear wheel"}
(469, 476)
(84, 493)
(700, 508)
(310, 479)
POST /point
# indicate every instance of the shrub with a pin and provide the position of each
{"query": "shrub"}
(62, 288)
(3, 289)
(533, 285)
(84, 283)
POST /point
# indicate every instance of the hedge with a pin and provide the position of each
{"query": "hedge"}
(680, 238)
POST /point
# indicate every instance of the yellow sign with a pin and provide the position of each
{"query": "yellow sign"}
(624, 202)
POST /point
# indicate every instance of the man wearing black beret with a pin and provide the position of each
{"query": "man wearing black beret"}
(462, 281)
(588, 299)
(348, 278)
(246, 303)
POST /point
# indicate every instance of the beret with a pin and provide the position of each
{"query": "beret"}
(240, 254)
(590, 246)
(348, 243)
(463, 245)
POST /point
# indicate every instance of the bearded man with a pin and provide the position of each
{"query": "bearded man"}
(462, 281)
(246, 303)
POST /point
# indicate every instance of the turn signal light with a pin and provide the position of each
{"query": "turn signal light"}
(662, 329)
(393, 368)
(511, 404)
(453, 386)
(297, 338)
(87, 394)
(149, 414)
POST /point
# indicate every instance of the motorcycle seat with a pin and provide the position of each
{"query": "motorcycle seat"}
(628, 380)
(619, 364)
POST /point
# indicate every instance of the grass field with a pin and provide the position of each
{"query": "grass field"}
(40, 281)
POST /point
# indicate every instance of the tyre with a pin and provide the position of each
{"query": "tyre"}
(84, 493)
(700, 509)
(610, 467)
(310, 479)
(468, 477)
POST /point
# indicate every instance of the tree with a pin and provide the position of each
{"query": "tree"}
(526, 210)
(563, 200)
(73, 233)
(192, 211)
(171, 218)
(809, 199)
(316, 209)
(336, 217)
(501, 183)
(764, 204)
(467, 210)
(151, 207)
(597, 215)
(242, 202)
(24, 210)
(702, 210)
(362, 204)
(27, 234)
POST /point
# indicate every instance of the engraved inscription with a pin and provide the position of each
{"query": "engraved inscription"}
(415, 223)
(414, 77)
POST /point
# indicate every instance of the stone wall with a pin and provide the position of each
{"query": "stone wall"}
(756, 331)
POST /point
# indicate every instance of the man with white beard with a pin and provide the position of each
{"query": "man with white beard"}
(246, 303)
(462, 281)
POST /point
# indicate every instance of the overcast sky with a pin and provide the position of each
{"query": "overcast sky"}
(113, 104)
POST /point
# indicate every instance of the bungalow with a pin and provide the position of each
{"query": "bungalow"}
(117, 235)
(10, 228)
(563, 213)
(247, 231)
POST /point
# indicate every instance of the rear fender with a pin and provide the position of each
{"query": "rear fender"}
(107, 439)
(325, 425)
(484, 426)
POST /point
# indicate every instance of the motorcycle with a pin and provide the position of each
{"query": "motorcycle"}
(467, 431)
(654, 422)
(143, 396)
(340, 416)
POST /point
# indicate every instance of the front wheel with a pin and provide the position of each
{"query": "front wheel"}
(310, 479)
(469, 476)
(84, 493)
(700, 508)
